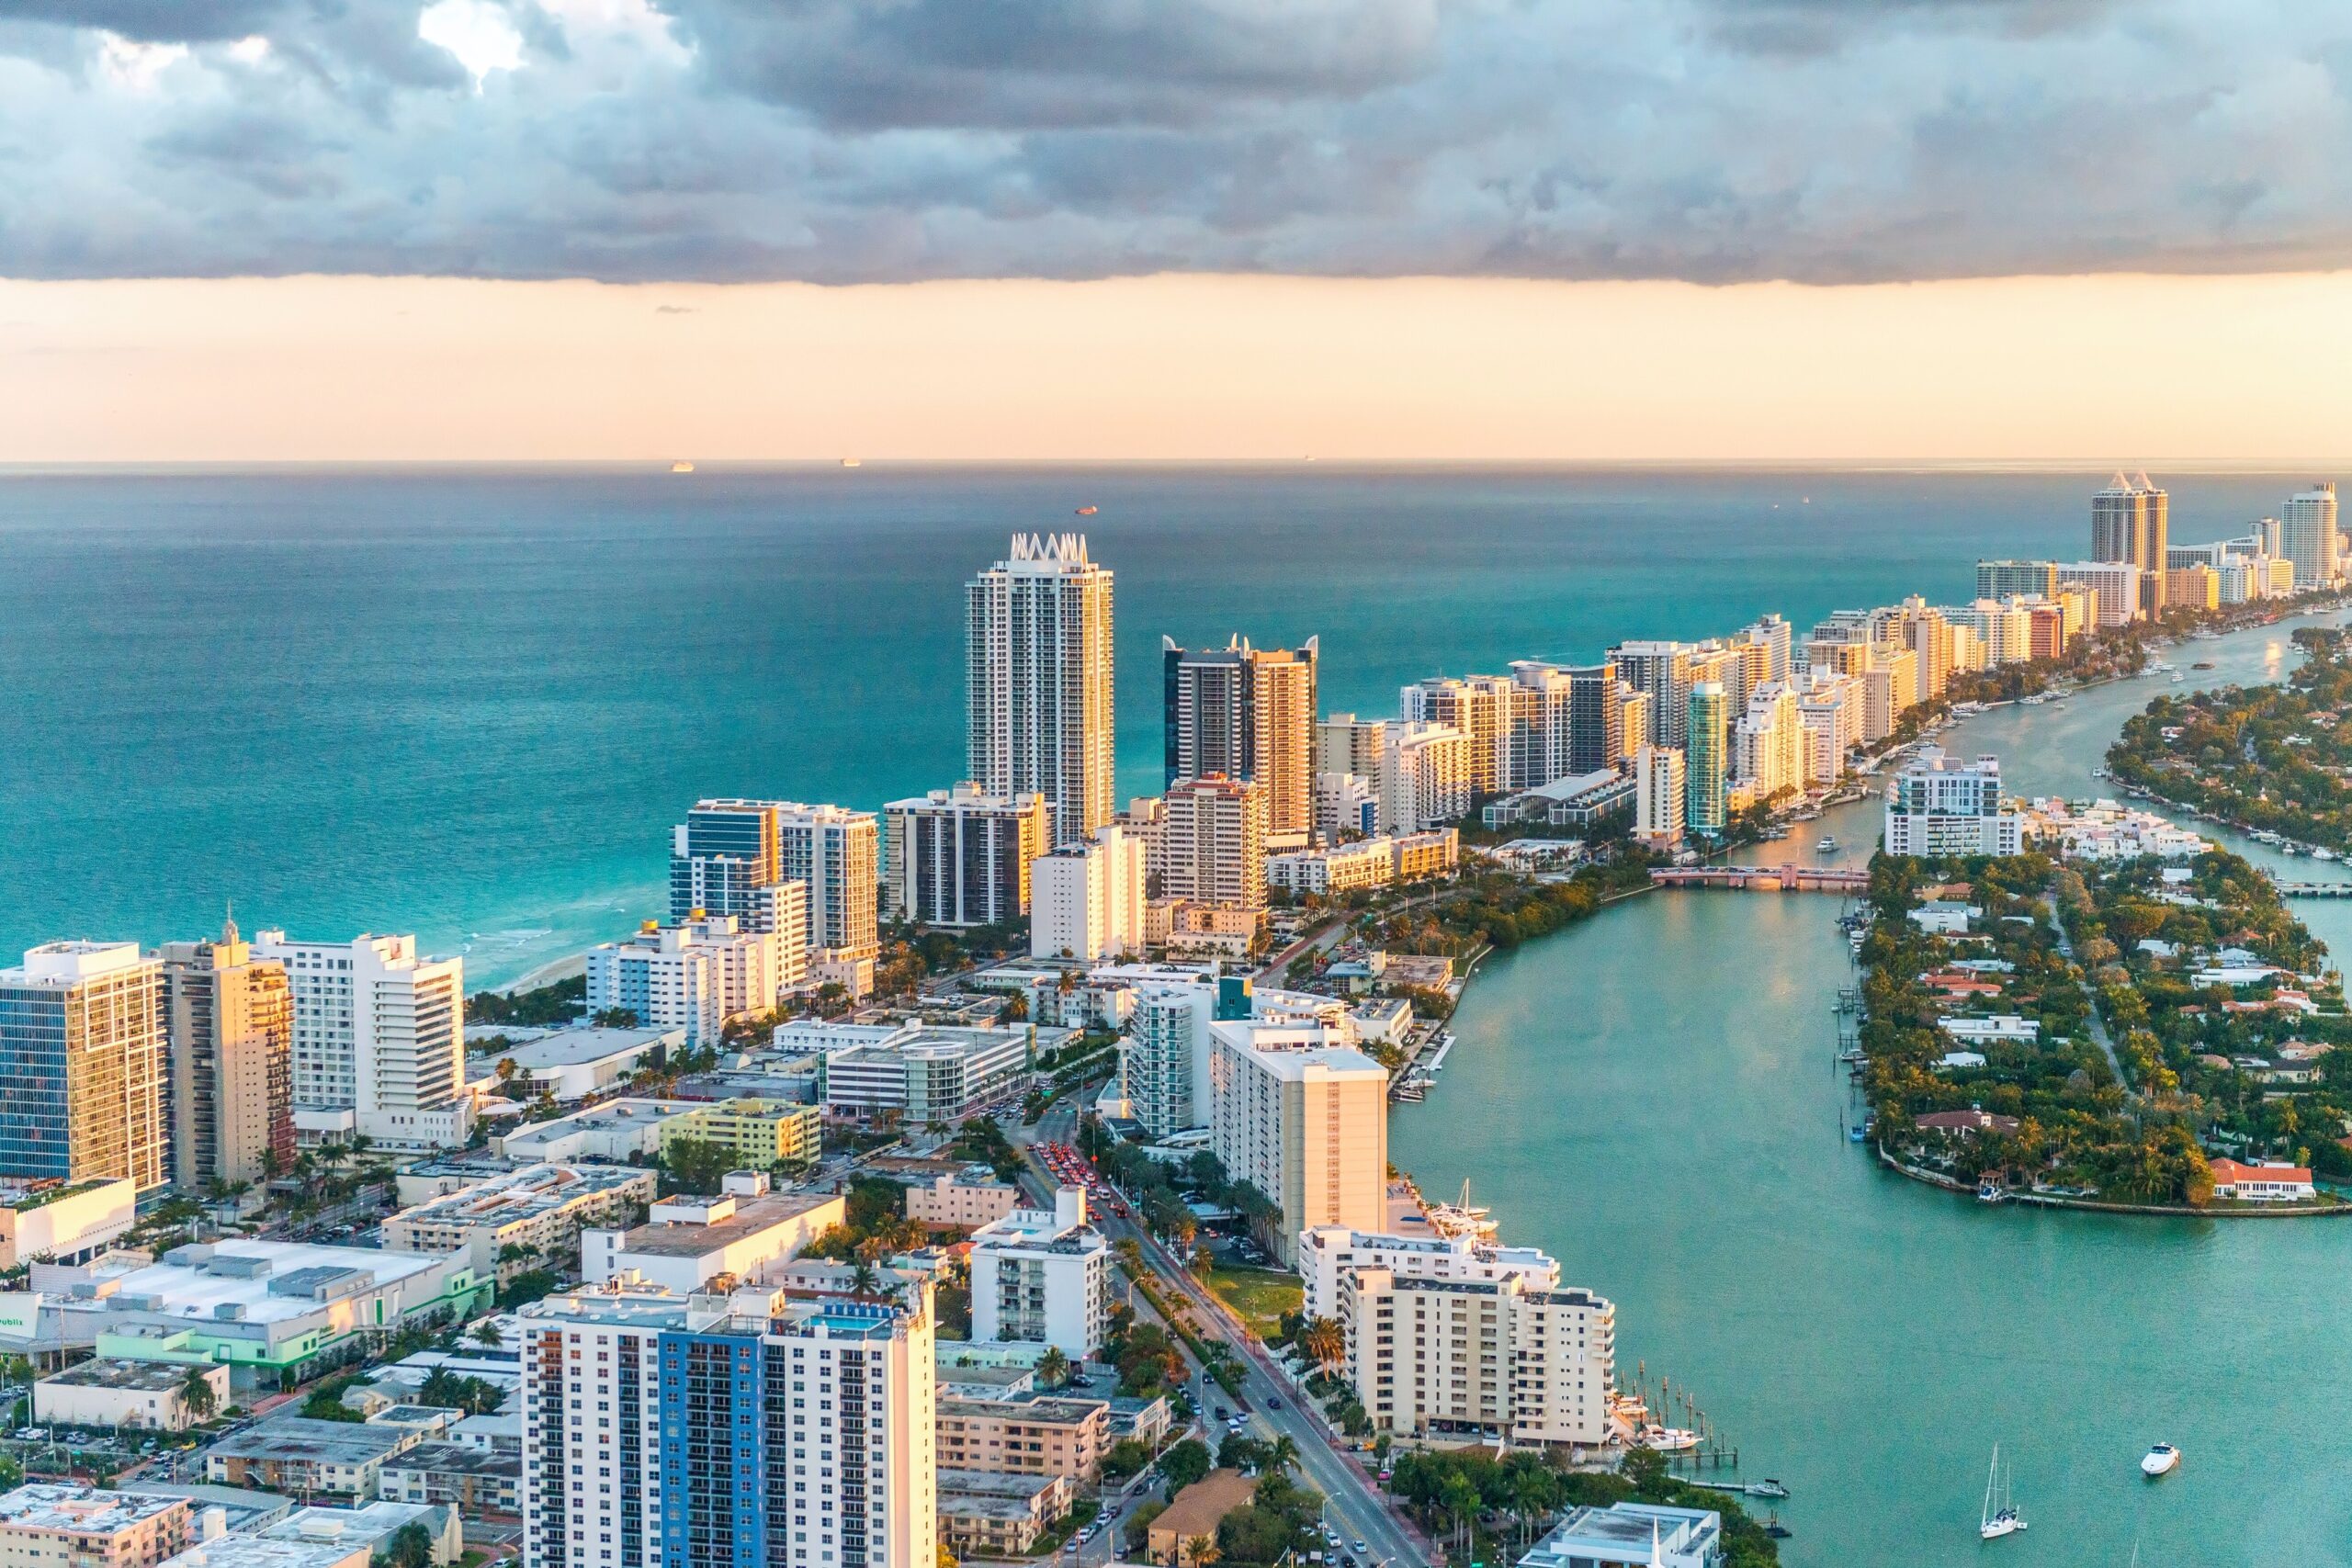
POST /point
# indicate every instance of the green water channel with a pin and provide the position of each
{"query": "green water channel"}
(1652, 1097)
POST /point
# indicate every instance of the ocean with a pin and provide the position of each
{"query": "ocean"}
(470, 700)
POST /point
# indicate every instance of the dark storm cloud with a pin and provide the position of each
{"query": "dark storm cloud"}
(849, 141)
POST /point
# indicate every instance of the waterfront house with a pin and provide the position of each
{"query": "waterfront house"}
(2003, 1026)
(1940, 916)
(1954, 1059)
(1972, 1119)
(2262, 1182)
(1641, 1533)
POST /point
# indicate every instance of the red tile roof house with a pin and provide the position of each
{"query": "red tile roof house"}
(1960, 983)
(1971, 1120)
(2262, 1183)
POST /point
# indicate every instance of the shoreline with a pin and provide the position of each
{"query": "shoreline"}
(2030, 1199)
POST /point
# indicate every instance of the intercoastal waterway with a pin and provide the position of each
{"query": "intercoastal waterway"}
(1651, 1097)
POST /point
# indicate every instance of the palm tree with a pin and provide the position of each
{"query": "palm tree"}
(1326, 1341)
(1053, 1367)
(862, 1278)
(1200, 1551)
(195, 1393)
(486, 1333)
(1282, 1453)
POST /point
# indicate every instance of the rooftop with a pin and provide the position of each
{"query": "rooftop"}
(1045, 1409)
(262, 1552)
(347, 1527)
(994, 1484)
(578, 1047)
(143, 1377)
(83, 1509)
(525, 1194)
(1202, 1507)
(302, 1437)
(458, 1457)
(687, 1240)
(264, 1281)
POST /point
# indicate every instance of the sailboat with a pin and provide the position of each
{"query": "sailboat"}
(2004, 1519)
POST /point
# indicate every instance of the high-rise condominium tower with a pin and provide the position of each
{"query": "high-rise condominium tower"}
(82, 1065)
(2130, 521)
(1707, 759)
(1039, 684)
(1248, 713)
(231, 1025)
(2307, 535)
(378, 1032)
(739, 857)
(1661, 671)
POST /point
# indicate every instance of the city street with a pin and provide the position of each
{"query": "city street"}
(1355, 1507)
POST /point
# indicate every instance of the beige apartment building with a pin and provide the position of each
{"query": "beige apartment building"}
(82, 1065)
(950, 1200)
(42, 1526)
(1305, 1120)
(1479, 1359)
(231, 1032)
(1025, 1436)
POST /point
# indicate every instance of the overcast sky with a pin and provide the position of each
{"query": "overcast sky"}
(739, 142)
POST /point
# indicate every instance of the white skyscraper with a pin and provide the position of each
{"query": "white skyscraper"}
(1040, 681)
(2307, 535)
(1042, 1276)
(379, 1039)
(1302, 1120)
(1164, 1060)
(591, 1426)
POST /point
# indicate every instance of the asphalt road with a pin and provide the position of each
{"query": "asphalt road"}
(1354, 1507)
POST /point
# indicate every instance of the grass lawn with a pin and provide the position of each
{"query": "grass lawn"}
(1259, 1295)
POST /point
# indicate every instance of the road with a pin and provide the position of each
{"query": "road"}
(1354, 1507)
(2090, 999)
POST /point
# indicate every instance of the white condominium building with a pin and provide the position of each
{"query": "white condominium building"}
(1660, 671)
(1424, 777)
(1830, 712)
(2307, 537)
(1541, 716)
(1214, 843)
(1164, 1058)
(1659, 798)
(696, 975)
(1480, 707)
(1346, 804)
(1501, 1358)
(754, 859)
(591, 1426)
(1936, 808)
(1303, 1120)
(379, 1032)
(1771, 633)
(1042, 1276)
(1379, 861)
(1326, 1254)
(961, 858)
(1086, 900)
(2116, 585)
(1346, 744)
(1769, 746)
(1039, 714)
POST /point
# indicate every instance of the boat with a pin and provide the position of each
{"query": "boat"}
(2203, 664)
(1666, 1439)
(1856, 1133)
(1990, 1193)
(2162, 1460)
(1828, 845)
(1995, 1523)
(1087, 511)
(852, 463)
(682, 466)
(1770, 1486)
(2323, 855)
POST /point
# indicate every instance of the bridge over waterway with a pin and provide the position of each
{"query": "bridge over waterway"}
(1785, 878)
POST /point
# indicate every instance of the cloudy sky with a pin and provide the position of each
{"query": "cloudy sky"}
(1514, 159)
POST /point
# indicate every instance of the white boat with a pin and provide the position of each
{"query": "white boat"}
(852, 463)
(1667, 1440)
(2323, 855)
(1828, 845)
(2160, 1460)
(1996, 1522)
(682, 466)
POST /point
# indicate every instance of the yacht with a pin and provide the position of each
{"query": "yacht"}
(1828, 845)
(2160, 1460)
(1990, 1193)
(2323, 855)
(1996, 1522)
(1667, 1440)
(682, 466)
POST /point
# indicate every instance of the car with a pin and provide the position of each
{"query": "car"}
(1223, 1414)
(1360, 1548)
(1273, 1403)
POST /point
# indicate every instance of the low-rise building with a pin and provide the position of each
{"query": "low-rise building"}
(960, 1202)
(688, 1241)
(759, 1134)
(260, 1308)
(61, 1222)
(372, 1525)
(298, 1454)
(1641, 1533)
(1042, 1276)
(2262, 1181)
(999, 1514)
(50, 1524)
(573, 1064)
(1194, 1515)
(239, 1509)
(1381, 862)
(617, 1130)
(261, 1551)
(149, 1396)
(1040, 1435)
(518, 1221)
(924, 1075)
(473, 1481)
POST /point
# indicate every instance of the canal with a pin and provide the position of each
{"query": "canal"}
(1651, 1097)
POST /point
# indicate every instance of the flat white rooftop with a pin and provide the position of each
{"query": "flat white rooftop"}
(253, 1268)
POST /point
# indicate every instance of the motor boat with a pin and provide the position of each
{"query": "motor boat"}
(2162, 1460)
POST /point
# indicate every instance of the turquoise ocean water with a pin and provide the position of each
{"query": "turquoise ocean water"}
(470, 702)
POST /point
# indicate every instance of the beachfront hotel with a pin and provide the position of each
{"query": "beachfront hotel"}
(378, 1040)
(230, 1024)
(1039, 660)
(82, 1066)
(746, 858)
